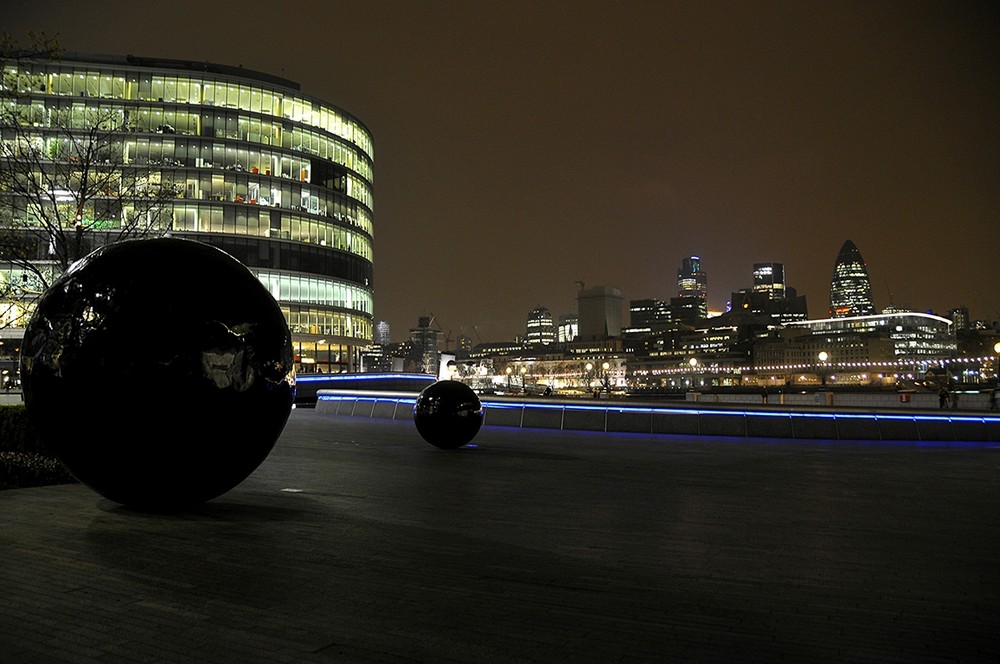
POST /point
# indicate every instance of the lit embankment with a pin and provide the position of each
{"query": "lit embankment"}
(691, 418)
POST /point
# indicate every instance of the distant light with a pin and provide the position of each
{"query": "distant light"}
(309, 378)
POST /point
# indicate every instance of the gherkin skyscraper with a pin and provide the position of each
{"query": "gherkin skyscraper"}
(850, 288)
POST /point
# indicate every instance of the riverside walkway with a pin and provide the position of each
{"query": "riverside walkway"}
(356, 541)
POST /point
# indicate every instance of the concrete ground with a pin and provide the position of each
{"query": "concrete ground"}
(356, 541)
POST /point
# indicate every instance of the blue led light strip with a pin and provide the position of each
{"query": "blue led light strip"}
(681, 410)
(607, 409)
(356, 398)
(351, 378)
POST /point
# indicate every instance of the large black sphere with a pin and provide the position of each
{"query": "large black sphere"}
(159, 371)
(448, 414)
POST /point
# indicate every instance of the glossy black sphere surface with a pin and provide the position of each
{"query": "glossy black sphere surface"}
(448, 414)
(159, 371)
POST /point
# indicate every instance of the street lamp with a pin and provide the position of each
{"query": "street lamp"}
(589, 373)
(823, 357)
(996, 367)
(694, 363)
(993, 394)
(605, 378)
(509, 370)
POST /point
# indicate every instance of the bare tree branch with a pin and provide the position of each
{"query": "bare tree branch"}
(67, 184)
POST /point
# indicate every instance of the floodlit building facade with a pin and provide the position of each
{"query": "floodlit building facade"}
(567, 329)
(740, 349)
(910, 335)
(274, 176)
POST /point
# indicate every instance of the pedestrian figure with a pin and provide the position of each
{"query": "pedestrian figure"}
(942, 398)
(954, 400)
(763, 394)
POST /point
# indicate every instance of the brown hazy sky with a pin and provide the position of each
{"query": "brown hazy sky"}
(524, 146)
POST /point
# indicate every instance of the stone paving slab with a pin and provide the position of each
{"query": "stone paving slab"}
(356, 541)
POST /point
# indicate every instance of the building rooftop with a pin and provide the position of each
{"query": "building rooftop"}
(184, 65)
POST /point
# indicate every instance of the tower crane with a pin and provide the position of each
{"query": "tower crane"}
(447, 335)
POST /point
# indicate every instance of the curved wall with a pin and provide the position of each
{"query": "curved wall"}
(279, 179)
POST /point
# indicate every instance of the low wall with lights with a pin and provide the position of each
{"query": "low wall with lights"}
(308, 385)
(868, 400)
(692, 418)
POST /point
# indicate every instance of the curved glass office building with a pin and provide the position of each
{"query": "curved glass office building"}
(279, 179)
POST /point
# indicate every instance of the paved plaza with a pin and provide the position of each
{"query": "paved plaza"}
(356, 541)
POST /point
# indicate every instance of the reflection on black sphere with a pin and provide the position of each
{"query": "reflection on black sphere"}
(159, 371)
(448, 414)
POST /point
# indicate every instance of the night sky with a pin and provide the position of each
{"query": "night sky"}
(522, 147)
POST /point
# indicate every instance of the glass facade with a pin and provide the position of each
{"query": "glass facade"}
(539, 328)
(769, 278)
(568, 328)
(850, 287)
(279, 179)
(910, 335)
(690, 279)
(648, 313)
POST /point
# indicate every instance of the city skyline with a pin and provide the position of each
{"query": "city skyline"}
(522, 148)
(765, 277)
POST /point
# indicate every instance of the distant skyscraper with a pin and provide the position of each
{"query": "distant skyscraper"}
(648, 313)
(688, 309)
(600, 311)
(691, 280)
(568, 328)
(382, 333)
(781, 310)
(770, 297)
(540, 330)
(464, 342)
(960, 317)
(850, 288)
(769, 278)
(424, 341)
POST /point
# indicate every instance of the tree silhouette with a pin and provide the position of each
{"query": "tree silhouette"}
(66, 183)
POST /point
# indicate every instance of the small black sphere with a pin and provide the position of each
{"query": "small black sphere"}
(159, 371)
(448, 414)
